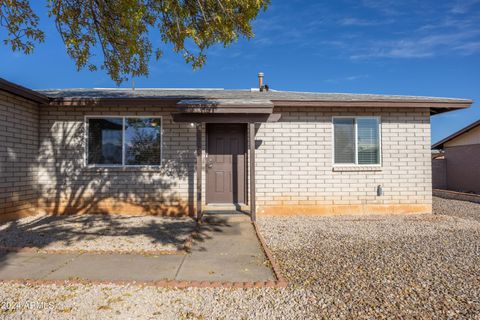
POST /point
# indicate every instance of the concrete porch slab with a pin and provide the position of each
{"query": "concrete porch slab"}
(226, 249)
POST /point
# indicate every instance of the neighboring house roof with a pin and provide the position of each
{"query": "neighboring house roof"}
(23, 92)
(439, 144)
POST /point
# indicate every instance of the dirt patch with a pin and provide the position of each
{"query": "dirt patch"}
(96, 234)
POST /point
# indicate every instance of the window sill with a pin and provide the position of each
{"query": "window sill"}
(354, 168)
(153, 168)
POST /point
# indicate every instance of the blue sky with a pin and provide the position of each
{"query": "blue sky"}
(362, 46)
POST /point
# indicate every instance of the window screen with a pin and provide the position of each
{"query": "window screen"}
(368, 141)
(105, 141)
(344, 136)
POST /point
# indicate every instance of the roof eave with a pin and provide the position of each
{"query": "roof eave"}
(23, 92)
(448, 105)
(453, 104)
(436, 107)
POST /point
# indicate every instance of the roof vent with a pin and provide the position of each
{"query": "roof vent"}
(261, 86)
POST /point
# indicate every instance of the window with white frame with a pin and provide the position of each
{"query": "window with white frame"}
(356, 140)
(124, 141)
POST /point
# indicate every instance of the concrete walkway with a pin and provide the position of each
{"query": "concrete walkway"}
(227, 249)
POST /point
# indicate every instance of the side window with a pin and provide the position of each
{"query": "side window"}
(356, 140)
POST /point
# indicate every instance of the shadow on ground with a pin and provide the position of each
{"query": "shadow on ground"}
(68, 229)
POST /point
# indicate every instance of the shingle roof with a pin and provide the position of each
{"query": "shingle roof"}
(234, 94)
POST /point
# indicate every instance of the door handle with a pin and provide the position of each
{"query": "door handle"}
(209, 164)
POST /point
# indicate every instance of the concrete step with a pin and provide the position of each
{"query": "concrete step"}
(241, 207)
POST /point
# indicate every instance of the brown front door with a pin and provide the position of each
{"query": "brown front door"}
(226, 163)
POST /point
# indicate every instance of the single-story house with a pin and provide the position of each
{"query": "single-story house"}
(456, 162)
(184, 151)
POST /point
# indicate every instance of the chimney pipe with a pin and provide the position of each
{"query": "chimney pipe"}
(260, 81)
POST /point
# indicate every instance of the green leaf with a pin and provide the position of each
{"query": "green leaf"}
(121, 29)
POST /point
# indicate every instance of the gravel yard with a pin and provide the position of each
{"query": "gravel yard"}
(456, 208)
(97, 232)
(414, 266)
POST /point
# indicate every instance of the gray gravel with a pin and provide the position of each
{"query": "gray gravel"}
(97, 232)
(456, 208)
(416, 266)
(131, 302)
(362, 267)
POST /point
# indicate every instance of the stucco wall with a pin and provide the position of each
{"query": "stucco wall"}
(470, 137)
(18, 152)
(295, 173)
(463, 168)
(67, 185)
(439, 173)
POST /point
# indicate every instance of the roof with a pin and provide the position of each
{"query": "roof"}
(278, 98)
(439, 144)
(23, 92)
(229, 98)
(102, 93)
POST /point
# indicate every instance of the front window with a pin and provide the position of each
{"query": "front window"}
(356, 140)
(127, 141)
(105, 141)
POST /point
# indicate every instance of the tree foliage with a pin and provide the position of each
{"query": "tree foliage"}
(121, 29)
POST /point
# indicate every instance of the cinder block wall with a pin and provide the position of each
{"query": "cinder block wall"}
(18, 153)
(294, 166)
(68, 186)
(295, 173)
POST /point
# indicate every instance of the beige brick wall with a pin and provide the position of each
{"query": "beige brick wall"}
(18, 151)
(67, 185)
(295, 172)
(294, 166)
